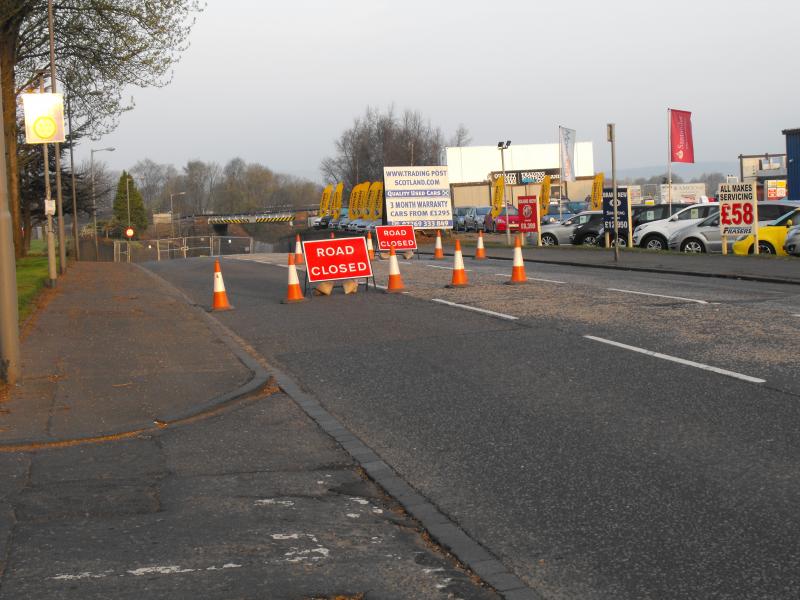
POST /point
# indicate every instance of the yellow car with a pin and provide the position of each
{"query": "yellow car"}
(770, 238)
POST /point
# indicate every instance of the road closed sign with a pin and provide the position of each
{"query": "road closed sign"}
(399, 237)
(341, 258)
(738, 211)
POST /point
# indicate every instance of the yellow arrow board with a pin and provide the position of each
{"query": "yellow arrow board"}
(544, 197)
(498, 190)
(325, 201)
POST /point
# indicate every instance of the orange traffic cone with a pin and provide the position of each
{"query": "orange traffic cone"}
(220, 297)
(438, 253)
(298, 250)
(333, 235)
(518, 270)
(480, 251)
(459, 274)
(293, 293)
(395, 281)
(370, 249)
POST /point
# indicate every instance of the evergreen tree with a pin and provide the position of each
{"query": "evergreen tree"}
(138, 213)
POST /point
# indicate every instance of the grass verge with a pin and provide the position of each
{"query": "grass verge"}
(31, 278)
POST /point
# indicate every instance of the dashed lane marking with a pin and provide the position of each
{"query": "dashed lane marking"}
(476, 309)
(682, 361)
(657, 295)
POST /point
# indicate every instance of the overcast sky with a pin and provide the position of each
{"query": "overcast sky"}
(277, 82)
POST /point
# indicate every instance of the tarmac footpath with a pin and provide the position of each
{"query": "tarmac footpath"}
(146, 454)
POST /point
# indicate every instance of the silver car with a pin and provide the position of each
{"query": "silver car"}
(554, 234)
(792, 244)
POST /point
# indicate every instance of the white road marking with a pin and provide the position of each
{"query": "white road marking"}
(657, 295)
(476, 309)
(796, 315)
(682, 361)
(531, 278)
(446, 268)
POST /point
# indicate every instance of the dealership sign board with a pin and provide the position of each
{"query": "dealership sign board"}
(738, 210)
(340, 258)
(623, 209)
(528, 210)
(399, 237)
(418, 196)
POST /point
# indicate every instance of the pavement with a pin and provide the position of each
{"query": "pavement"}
(149, 452)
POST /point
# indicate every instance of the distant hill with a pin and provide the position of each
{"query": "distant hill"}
(686, 171)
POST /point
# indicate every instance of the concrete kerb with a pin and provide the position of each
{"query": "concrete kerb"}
(566, 263)
(444, 531)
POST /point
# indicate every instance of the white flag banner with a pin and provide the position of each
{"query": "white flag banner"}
(567, 146)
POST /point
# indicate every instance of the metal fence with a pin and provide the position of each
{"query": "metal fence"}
(180, 247)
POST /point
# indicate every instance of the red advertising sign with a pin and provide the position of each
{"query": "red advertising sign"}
(399, 237)
(339, 258)
(528, 208)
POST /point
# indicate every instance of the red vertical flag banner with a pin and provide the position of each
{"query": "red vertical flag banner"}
(681, 136)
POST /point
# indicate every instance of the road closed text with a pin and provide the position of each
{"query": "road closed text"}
(337, 259)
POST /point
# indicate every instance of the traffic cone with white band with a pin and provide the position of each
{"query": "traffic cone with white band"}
(395, 281)
(220, 297)
(438, 252)
(293, 293)
(370, 249)
(298, 250)
(459, 273)
(480, 251)
(518, 269)
(333, 235)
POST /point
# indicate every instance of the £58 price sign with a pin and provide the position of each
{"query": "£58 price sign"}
(738, 211)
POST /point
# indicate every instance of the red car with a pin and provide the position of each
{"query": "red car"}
(499, 223)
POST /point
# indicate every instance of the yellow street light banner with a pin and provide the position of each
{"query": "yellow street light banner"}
(325, 201)
(498, 189)
(44, 118)
(336, 203)
(544, 196)
(597, 192)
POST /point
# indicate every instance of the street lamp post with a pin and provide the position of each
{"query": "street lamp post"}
(171, 214)
(94, 198)
(503, 146)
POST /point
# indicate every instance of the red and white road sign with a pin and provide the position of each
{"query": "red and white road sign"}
(339, 258)
(528, 208)
(129, 232)
(399, 237)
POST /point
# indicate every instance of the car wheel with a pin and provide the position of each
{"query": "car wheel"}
(589, 239)
(765, 248)
(693, 246)
(548, 239)
(654, 243)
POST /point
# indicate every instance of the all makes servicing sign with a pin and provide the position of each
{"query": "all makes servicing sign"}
(342, 258)
(418, 196)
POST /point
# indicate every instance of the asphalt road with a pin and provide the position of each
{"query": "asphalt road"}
(591, 469)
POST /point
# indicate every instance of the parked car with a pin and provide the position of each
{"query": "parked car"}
(323, 222)
(706, 236)
(589, 232)
(646, 213)
(792, 244)
(655, 234)
(770, 238)
(498, 223)
(554, 234)
(459, 217)
(343, 222)
(476, 217)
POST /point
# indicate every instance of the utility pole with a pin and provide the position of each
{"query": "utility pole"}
(9, 312)
(503, 147)
(75, 238)
(612, 137)
(51, 242)
(128, 196)
(62, 241)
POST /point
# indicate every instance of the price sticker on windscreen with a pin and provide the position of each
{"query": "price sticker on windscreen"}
(738, 212)
(399, 237)
(341, 258)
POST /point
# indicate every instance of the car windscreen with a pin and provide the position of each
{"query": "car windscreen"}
(484, 210)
